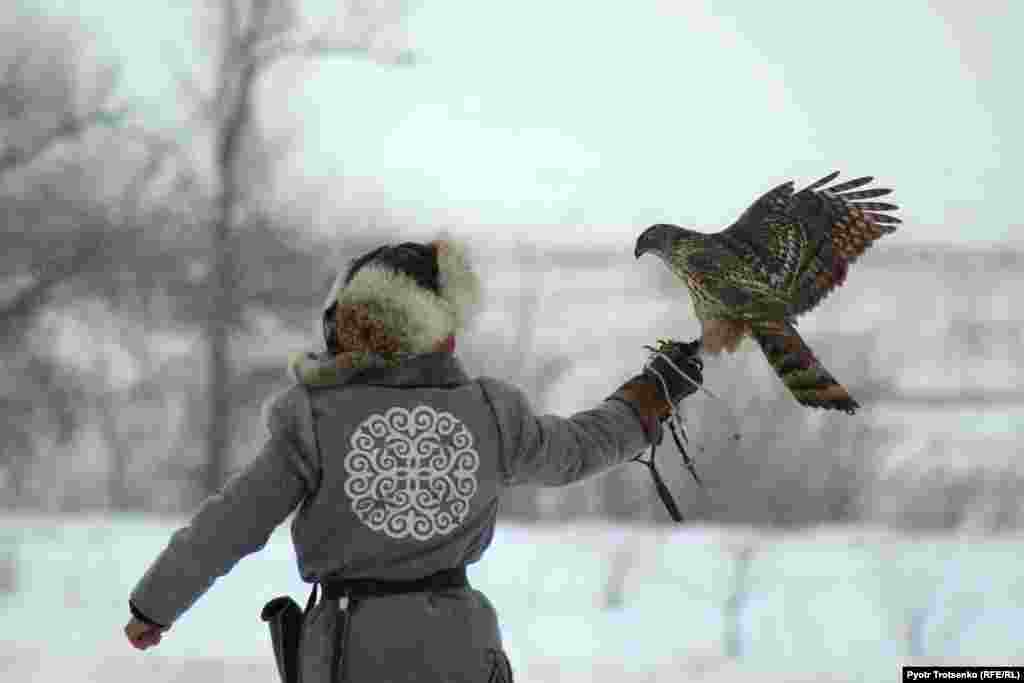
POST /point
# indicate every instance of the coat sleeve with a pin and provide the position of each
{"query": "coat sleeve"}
(237, 520)
(555, 451)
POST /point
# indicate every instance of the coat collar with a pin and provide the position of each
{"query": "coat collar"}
(407, 370)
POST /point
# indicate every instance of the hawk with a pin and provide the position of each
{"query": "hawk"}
(783, 256)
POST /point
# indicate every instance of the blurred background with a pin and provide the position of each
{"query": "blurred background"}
(179, 185)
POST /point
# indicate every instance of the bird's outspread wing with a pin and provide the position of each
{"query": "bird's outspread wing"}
(803, 243)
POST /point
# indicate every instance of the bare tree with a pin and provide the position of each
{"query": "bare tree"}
(43, 105)
(254, 35)
(63, 242)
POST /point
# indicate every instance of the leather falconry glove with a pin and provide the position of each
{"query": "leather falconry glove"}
(673, 372)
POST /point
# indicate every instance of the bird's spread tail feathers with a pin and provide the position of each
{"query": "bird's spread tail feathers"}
(803, 374)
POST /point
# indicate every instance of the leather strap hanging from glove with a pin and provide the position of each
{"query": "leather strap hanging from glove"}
(673, 372)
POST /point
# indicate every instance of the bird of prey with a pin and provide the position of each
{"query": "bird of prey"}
(779, 260)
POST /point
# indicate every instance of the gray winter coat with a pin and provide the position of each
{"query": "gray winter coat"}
(396, 474)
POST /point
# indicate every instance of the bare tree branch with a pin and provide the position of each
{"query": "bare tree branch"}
(76, 256)
(325, 45)
(12, 95)
(17, 90)
(160, 151)
(70, 127)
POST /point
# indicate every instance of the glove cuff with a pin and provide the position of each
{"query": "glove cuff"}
(648, 401)
(142, 617)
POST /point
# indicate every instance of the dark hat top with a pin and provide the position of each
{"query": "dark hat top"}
(418, 261)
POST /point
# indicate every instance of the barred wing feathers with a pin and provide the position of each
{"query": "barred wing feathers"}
(804, 242)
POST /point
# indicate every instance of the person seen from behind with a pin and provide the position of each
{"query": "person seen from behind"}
(393, 460)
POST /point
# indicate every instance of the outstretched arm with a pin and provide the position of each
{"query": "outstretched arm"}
(555, 451)
(231, 524)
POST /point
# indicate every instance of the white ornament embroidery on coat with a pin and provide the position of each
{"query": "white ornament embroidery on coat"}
(411, 472)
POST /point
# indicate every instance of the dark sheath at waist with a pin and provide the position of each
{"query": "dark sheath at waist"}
(365, 588)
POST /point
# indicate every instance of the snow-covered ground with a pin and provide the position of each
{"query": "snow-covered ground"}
(584, 602)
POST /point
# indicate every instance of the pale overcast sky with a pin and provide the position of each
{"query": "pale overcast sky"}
(601, 118)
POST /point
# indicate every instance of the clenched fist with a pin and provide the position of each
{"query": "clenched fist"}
(142, 635)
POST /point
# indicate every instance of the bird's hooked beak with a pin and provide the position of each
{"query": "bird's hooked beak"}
(654, 238)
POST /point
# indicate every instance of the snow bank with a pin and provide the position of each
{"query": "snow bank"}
(581, 602)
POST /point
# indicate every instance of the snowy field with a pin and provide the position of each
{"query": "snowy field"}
(585, 602)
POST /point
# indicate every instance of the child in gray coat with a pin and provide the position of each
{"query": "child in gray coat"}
(394, 460)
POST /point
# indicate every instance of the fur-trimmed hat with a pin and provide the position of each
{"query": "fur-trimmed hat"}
(409, 298)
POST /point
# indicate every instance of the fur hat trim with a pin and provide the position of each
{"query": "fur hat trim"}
(458, 283)
(416, 317)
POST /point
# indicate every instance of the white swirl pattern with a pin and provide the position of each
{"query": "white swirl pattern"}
(411, 472)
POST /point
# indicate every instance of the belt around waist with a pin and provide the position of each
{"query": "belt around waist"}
(364, 588)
